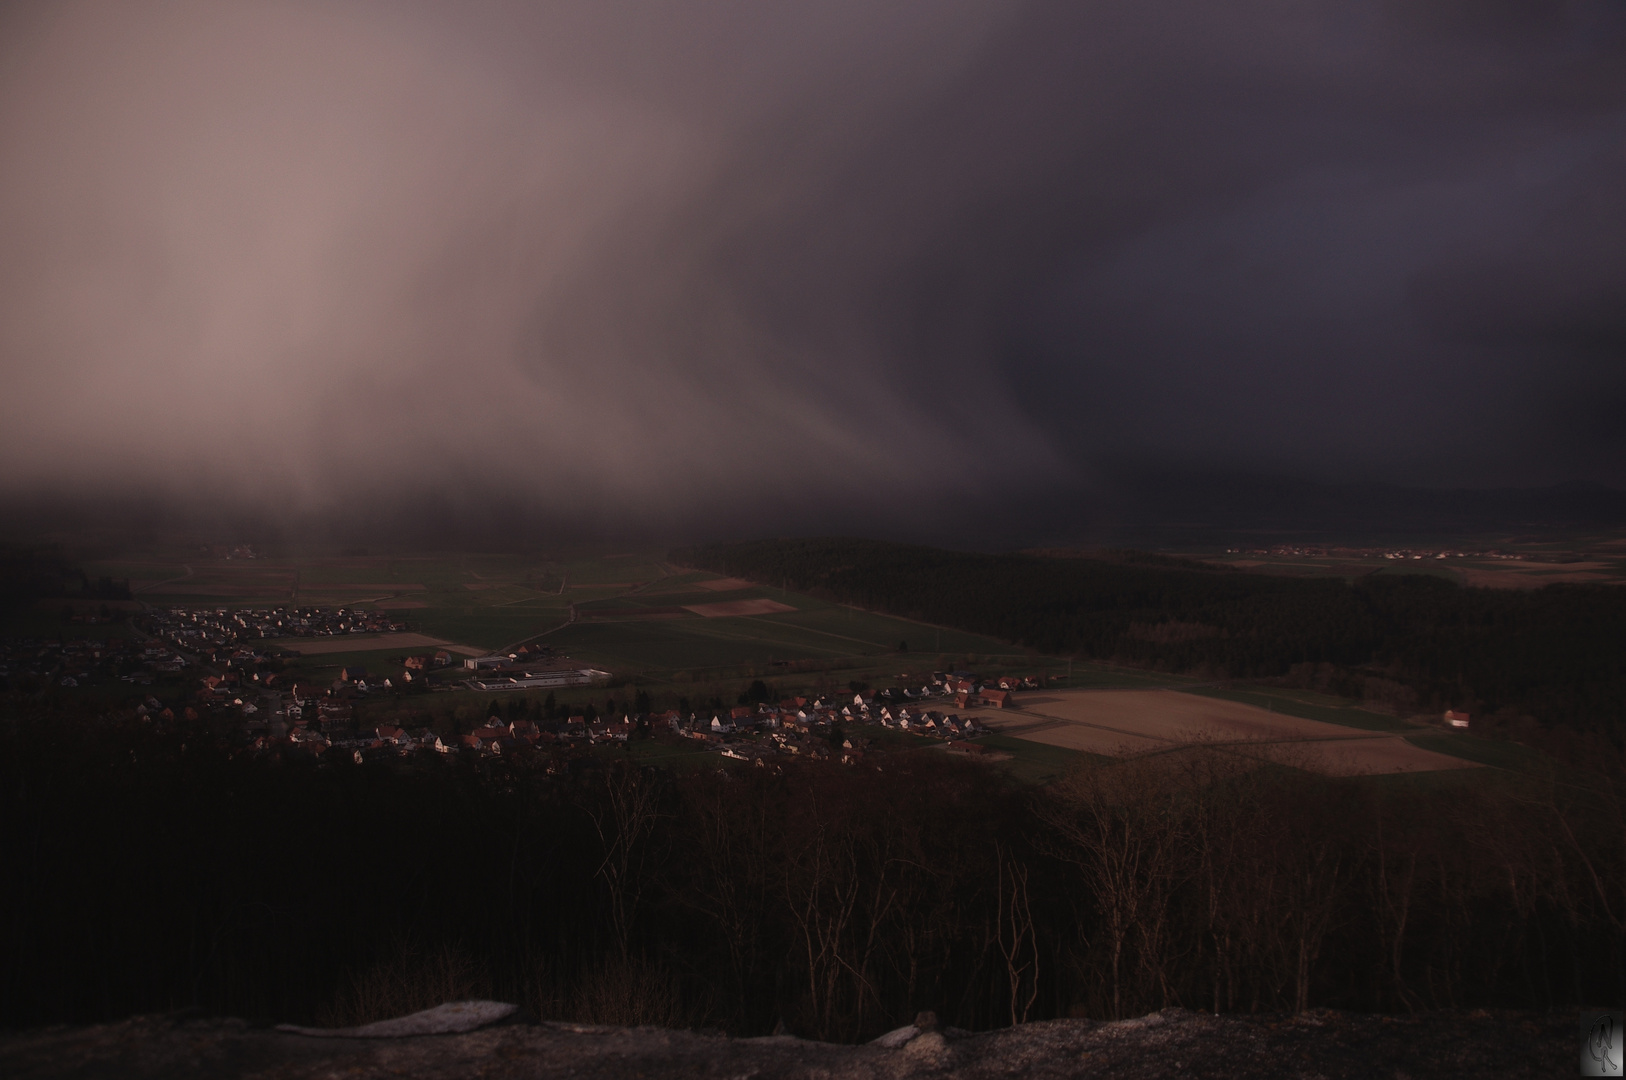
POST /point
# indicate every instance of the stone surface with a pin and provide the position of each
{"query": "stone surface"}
(1171, 1043)
(452, 1018)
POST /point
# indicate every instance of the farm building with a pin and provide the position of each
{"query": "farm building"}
(531, 680)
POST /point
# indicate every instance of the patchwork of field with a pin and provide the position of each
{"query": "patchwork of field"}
(1122, 723)
(630, 612)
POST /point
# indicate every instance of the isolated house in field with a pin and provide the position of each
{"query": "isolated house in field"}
(999, 699)
(1456, 719)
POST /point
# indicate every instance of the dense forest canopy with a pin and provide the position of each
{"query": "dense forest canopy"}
(1419, 643)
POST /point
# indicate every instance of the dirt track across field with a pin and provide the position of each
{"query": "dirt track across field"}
(1120, 723)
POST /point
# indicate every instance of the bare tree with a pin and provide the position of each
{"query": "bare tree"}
(1018, 941)
(1119, 826)
(623, 818)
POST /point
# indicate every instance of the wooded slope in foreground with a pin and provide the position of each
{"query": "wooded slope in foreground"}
(153, 867)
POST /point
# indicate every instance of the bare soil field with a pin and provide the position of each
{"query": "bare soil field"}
(398, 605)
(366, 642)
(738, 607)
(1124, 722)
(727, 584)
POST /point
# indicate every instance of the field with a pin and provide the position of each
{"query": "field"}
(761, 606)
(1123, 723)
(350, 643)
(630, 613)
(681, 633)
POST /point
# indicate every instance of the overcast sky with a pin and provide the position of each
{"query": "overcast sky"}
(814, 263)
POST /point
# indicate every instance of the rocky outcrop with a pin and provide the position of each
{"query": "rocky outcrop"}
(1171, 1043)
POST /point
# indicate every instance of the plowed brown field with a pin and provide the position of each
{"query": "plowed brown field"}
(1124, 722)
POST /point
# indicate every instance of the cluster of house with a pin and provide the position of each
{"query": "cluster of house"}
(797, 727)
(748, 733)
(197, 629)
(803, 727)
(86, 661)
(969, 689)
(1395, 553)
(276, 710)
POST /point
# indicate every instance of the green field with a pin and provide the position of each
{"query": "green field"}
(1495, 752)
(1034, 763)
(626, 604)
(1309, 705)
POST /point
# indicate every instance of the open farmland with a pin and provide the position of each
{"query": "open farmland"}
(1128, 722)
(727, 608)
(727, 584)
(372, 642)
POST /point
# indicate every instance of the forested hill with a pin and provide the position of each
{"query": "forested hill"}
(1557, 654)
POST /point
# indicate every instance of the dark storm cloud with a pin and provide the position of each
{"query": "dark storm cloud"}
(634, 262)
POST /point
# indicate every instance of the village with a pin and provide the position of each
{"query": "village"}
(202, 629)
(81, 662)
(800, 727)
(245, 684)
(311, 721)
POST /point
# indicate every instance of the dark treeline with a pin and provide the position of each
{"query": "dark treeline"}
(1410, 642)
(29, 573)
(151, 868)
